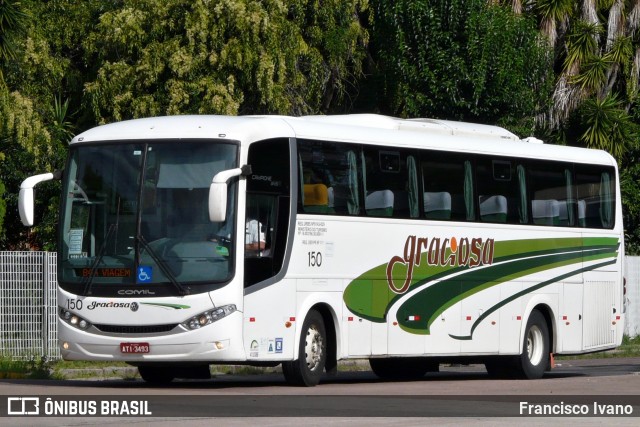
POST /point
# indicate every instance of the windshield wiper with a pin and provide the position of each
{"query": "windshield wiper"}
(163, 266)
(88, 281)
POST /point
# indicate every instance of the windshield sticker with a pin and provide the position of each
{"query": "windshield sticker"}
(145, 274)
(75, 241)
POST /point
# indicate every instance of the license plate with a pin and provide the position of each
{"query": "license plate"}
(134, 347)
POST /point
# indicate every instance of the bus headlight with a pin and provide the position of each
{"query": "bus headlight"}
(74, 320)
(209, 316)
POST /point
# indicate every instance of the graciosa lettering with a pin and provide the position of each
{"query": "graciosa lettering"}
(439, 252)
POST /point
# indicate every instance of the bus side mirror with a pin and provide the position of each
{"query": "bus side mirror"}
(26, 202)
(218, 192)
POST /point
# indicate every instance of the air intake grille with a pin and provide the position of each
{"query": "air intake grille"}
(126, 329)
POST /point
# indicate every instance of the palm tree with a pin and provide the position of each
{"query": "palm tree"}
(12, 24)
(599, 68)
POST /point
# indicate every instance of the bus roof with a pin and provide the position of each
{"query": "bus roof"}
(356, 128)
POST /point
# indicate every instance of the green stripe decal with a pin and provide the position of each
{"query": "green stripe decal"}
(165, 305)
(371, 296)
(517, 295)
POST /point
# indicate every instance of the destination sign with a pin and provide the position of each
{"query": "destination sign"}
(106, 272)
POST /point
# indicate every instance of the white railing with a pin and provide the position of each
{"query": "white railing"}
(28, 317)
(28, 309)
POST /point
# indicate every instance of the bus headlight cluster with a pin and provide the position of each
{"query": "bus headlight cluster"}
(209, 316)
(74, 320)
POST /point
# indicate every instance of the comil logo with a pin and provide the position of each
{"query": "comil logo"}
(23, 406)
(452, 252)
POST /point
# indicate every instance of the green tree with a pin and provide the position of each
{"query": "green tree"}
(226, 57)
(461, 59)
(12, 25)
(34, 124)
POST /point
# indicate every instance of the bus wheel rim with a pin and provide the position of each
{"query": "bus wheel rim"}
(534, 345)
(313, 348)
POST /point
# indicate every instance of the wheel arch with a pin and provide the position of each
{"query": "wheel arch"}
(332, 329)
(330, 321)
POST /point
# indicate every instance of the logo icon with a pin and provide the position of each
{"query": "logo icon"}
(145, 274)
(134, 306)
(23, 406)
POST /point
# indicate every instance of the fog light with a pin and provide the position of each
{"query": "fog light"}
(83, 324)
(65, 345)
(219, 345)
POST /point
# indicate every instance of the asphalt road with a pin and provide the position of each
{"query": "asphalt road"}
(456, 395)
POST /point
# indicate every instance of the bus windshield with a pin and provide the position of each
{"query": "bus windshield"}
(135, 216)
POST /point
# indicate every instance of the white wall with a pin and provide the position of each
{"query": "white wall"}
(632, 273)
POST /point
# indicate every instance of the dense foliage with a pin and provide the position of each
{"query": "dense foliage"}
(562, 70)
(462, 60)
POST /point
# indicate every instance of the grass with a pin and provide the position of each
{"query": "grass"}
(40, 368)
(32, 368)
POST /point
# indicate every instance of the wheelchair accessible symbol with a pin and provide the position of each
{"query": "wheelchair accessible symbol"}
(145, 272)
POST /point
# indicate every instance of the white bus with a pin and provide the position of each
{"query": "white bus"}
(195, 240)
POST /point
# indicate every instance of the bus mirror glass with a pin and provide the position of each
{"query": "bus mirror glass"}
(26, 200)
(217, 202)
(218, 193)
(25, 206)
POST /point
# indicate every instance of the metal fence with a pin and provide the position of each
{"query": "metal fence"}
(28, 309)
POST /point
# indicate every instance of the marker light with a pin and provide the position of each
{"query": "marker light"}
(208, 317)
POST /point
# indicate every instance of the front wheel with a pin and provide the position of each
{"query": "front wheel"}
(312, 353)
(535, 349)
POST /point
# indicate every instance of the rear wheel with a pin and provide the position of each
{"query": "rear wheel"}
(155, 374)
(312, 354)
(534, 359)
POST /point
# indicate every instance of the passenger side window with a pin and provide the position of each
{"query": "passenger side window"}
(552, 200)
(329, 178)
(390, 183)
(596, 196)
(447, 181)
(498, 196)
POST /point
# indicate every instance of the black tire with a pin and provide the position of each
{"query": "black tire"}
(534, 360)
(401, 368)
(155, 375)
(312, 353)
